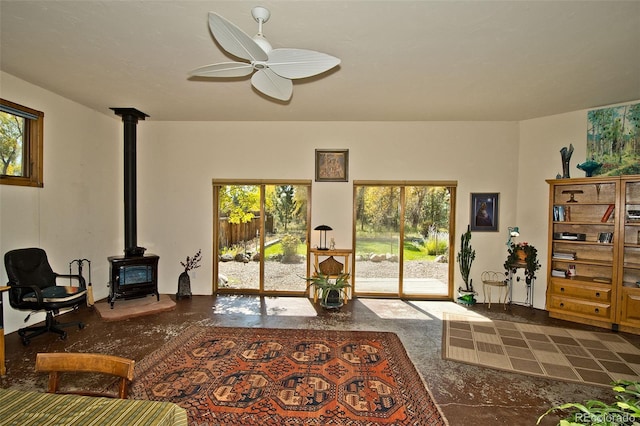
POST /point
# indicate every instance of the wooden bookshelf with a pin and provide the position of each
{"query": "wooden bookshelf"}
(590, 218)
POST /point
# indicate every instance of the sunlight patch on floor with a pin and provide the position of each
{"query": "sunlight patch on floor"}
(271, 306)
(436, 309)
(394, 309)
(289, 306)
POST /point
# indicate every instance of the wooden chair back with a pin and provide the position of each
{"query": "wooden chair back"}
(57, 363)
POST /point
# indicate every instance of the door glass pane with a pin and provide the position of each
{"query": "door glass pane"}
(285, 259)
(426, 240)
(377, 245)
(238, 237)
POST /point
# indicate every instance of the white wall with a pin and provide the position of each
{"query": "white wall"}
(78, 214)
(175, 218)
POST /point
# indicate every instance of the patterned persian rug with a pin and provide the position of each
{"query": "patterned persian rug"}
(597, 358)
(256, 376)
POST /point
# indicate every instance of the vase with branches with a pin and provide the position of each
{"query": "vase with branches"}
(184, 281)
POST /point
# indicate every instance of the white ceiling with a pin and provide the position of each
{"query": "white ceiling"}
(401, 60)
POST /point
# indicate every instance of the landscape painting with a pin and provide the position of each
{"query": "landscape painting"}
(613, 139)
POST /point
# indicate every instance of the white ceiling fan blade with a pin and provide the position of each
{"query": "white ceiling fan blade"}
(271, 84)
(223, 69)
(234, 40)
(300, 63)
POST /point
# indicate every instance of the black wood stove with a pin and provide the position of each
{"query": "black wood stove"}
(135, 274)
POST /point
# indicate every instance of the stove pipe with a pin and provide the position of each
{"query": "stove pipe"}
(130, 117)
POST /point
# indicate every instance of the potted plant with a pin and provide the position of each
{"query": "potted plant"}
(623, 411)
(523, 254)
(184, 281)
(465, 258)
(332, 291)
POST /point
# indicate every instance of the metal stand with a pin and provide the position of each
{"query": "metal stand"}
(529, 300)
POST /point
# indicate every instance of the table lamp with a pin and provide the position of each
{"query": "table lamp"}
(323, 230)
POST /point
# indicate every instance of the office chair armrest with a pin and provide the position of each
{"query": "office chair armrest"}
(82, 283)
(34, 288)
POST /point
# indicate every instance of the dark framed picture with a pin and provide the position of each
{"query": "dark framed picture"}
(484, 211)
(332, 165)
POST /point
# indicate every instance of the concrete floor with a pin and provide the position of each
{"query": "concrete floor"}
(467, 395)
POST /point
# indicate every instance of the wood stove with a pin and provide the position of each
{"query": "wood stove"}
(134, 274)
(133, 277)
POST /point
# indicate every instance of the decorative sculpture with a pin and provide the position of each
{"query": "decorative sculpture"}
(566, 156)
(589, 167)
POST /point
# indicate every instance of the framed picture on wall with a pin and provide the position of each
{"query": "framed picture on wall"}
(484, 211)
(332, 165)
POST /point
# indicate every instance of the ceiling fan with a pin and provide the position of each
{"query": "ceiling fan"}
(274, 67)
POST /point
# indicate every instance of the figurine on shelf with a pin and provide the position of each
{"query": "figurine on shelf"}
(566, 156)
(332, 244)
(589, 167)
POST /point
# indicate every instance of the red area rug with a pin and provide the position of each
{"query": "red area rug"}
(257, 376)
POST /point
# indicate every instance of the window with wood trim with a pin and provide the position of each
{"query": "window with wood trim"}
(21, 140)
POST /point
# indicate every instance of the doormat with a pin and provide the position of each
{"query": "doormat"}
(597, 358)
(132, 308)
(257, 376)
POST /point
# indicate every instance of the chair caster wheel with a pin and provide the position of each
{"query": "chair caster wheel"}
(81, 326)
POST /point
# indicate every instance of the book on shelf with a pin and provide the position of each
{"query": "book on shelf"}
(607, 214)
(555, 272)
(605, 237)
(561, 213)
(564, 254)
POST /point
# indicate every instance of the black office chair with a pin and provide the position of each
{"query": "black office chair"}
(33, 287)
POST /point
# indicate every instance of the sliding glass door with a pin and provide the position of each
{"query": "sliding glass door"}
(402, 236)
(261, 231)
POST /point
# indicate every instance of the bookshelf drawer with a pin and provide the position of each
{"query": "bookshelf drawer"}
(576, 306)
(565, 288)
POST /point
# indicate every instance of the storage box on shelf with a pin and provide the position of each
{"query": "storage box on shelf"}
(594, 252)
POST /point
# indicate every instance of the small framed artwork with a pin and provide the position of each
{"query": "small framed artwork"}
(332, 165)
(484, 211)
